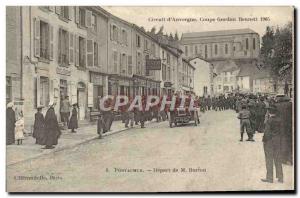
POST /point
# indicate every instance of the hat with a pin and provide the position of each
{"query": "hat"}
(75, 104)
(40, 107)
(10, 105)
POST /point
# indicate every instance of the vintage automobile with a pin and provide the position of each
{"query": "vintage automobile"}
(182, 115)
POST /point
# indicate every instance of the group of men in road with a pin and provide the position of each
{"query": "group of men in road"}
(273, 117)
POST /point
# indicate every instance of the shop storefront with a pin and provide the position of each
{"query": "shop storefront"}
(120, 85)
(98, 81)
(167, 88)
(145, 86)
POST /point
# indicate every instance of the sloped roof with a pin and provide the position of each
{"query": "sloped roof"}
(217, 33)
(262, 73)
(225, 66)
(252, 70)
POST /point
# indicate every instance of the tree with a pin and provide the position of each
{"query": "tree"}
(276, 51)
(171, 37)
(176, 36)
(153, 30)
(161, 30)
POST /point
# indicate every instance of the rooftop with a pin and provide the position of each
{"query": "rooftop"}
(217, 33)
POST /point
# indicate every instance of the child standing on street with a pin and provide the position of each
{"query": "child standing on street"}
(19, 128)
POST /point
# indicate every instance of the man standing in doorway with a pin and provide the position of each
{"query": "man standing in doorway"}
(65, 111)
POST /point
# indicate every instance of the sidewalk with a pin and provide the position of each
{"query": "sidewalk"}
(29, 150)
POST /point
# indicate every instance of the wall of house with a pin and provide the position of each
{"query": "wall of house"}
(203, 75)
(13, 56)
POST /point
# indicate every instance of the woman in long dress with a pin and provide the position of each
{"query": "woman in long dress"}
(51, 128)
(10, 124)
(39, 127)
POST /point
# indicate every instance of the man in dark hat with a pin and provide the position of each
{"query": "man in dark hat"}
(244, 116)
(271, 140)
(73, 123)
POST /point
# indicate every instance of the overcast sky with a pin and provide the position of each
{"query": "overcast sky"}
(144, 16)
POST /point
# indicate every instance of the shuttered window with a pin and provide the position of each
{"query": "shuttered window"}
(115, 61)
(129, 65)
(63, 47)
(115, 33)
(82, 17)
(71, 48)
(44, 91)
(43, 40)
(96, 55)
(82, 52)
(90, 53)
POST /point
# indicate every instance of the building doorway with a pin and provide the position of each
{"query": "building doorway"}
(81, 99)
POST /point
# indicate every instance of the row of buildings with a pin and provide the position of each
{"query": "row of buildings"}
(85, 53)
(227, 61)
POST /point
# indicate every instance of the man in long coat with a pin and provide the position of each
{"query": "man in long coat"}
(285, 107)
(52, 129)
(10, 124)
(39, 127)
(271, 140)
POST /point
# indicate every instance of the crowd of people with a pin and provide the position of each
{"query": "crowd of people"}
(256, 113)
(46, 129)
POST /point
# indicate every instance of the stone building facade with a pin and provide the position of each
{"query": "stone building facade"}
(226, 50)
(85, 53)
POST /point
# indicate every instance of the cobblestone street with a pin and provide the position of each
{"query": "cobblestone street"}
(144, 160)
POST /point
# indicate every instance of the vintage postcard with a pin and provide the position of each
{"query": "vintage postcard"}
(149, 99)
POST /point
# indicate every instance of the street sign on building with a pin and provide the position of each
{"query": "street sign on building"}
(167, 84)
(153, 64)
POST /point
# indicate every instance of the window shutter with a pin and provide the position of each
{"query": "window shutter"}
(35, 92)
(88, 18)
(71, 48)
(90, 95)
(38, 91)
(115, 58)
(111, 32)
(51, 46)
(67, 47)
(130, 65)
(58, 10)
(73, 93)
(59, 56)
(76, 50)
(90, 53)
(77, 14)
(99, 55)
(84, 52)
(70, 14)
(36, 37)
(120, 63)
(51, 8)
(119, 33)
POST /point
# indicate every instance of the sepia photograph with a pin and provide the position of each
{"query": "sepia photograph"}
(146, 99)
